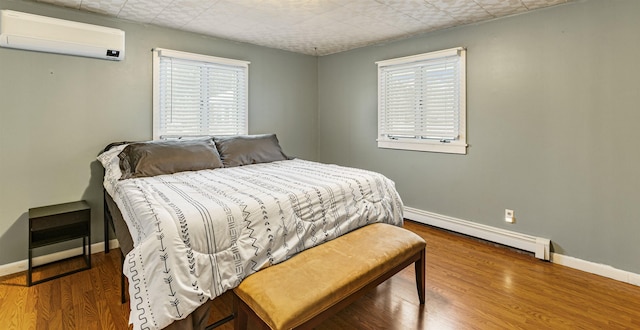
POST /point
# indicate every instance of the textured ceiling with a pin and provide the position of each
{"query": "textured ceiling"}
(314, 27)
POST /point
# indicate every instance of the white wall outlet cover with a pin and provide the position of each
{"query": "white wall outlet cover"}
(509, 216)
(508, 213)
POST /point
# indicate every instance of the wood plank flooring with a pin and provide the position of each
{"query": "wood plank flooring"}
(470, 285)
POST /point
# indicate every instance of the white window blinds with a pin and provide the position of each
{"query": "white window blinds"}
(421, 100)
(196, 95)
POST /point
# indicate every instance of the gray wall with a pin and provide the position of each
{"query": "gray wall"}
(552, 127)
(551, 122)
(57, 112)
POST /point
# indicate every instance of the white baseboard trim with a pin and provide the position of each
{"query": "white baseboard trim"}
(596, 268)
(22, 265)
(538, 245)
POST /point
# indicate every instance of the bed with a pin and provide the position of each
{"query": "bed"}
(195, 217)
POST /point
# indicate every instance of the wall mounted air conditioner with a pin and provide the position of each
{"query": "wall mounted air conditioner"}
(52, 35)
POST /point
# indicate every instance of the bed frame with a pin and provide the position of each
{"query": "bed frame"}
(197, 319)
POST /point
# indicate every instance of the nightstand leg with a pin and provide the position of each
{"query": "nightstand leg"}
(29, 269)
(89, 250)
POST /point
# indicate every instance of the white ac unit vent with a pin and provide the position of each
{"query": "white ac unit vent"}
(52, 35)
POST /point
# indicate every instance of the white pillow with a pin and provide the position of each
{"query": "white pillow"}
(111, 163)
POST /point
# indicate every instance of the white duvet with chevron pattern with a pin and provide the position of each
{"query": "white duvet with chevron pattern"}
(198, 234)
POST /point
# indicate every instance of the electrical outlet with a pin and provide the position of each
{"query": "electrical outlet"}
(509, 216)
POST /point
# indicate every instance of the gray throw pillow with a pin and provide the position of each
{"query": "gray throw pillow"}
(242, 150)
(153, 158)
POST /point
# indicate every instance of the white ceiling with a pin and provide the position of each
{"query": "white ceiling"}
(313, 27)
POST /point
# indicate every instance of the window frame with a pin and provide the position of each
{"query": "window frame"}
(161, 52)
(455, 146)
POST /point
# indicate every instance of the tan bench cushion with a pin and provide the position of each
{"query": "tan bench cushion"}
(290, 293)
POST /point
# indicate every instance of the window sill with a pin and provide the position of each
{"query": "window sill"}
(456, 147)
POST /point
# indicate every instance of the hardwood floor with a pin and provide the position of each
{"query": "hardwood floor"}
(470, 285)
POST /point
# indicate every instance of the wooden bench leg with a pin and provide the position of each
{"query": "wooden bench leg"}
(420, 275)
(242, 313)
(239, 314)
(239, 319)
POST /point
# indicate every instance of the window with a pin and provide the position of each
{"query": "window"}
(196, 95)
(422, 102)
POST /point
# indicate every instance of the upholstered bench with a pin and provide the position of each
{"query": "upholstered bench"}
(316, 283)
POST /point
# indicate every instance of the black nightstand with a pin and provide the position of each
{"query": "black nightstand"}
(58, 223)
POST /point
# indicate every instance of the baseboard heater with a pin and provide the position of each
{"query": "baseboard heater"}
(537, 245)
